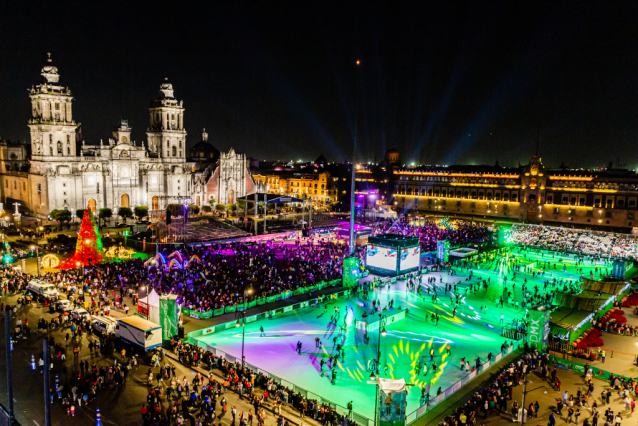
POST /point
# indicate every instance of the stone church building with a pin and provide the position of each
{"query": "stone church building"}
(60, 171)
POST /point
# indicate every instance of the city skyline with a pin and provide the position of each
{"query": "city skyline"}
(443, 85)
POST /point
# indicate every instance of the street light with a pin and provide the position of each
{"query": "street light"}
(382, 321)
(37, 253)
(242, 314)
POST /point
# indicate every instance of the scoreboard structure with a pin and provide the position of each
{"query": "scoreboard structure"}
(392, 254)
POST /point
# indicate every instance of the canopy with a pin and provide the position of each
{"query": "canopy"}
(391, 385)
(270, 198)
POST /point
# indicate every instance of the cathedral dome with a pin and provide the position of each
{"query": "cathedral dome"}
(204, 150)
(321, 160)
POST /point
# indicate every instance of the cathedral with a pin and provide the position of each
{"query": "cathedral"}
(60, 171)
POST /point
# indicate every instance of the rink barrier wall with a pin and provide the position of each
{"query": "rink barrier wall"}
(455, 387)
(193, 335)
(258, 302)
(580, 368)
(282, 296)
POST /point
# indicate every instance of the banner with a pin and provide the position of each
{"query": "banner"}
(168, 317)
(142, 308)
(538, 330)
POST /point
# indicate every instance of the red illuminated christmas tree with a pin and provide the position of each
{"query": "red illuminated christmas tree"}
(89, 249)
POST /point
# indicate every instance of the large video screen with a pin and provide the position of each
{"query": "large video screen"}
(410, 258)
(381, 257)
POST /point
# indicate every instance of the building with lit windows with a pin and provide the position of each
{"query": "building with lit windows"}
(532, 193)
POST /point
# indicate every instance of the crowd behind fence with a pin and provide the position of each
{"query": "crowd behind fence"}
(193, 338)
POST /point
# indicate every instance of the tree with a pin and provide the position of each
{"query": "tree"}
(220, 207)
(105, 213)
(195, 208)
(88, 249)
(60, 215)
(176, 209)
(141, 211)
(80, 213)
(206, 209)
(124, 213)
(212, 201)
(241, 205)
(232, 207)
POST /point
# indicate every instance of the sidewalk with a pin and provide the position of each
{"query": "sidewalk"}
(288, 412)
(438, 413)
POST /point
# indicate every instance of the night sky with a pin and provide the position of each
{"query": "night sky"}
(443, 82)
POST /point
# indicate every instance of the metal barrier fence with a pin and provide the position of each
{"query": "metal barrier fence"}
(512, 333)
(426, 407)
(4, 418)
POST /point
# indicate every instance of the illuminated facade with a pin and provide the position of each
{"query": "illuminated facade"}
(61, 171)
(317, 187)
(530, 193)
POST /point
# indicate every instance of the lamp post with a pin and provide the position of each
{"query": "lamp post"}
(37, 253)
(242, 314)
(382, 321)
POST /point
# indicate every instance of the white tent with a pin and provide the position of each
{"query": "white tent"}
(153, 306)
(392, 386)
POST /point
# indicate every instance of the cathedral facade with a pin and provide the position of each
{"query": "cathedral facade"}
(118, 173)
(60, 171)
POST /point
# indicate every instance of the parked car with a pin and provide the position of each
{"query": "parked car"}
(79, 313)
(64, 305)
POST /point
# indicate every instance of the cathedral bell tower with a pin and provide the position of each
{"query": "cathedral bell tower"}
(51, 125)
(166, 134)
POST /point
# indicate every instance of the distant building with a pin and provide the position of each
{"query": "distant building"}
(531, 193)
(392, 157)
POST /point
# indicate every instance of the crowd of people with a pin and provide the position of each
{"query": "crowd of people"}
(589, 243)
(494, 398)
(223, 275)
(430, 232)
(260, 391)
